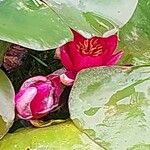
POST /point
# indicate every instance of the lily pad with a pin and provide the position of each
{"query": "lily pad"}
(118, 12)
(135, 36)
(45, 25)
(31, 24)
(86, 22)
(112, 106)
(7, 112)
(63, 136)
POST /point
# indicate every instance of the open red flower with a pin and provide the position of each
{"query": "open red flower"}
(81, 52)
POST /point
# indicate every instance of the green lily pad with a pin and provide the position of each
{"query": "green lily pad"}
(7, 112)
(86, 22)
(117, 11)
(31, 24)
(112, 106)
(41, 26)
(63, 136)
(135, 36)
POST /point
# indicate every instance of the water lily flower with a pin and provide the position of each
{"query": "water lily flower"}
(38, 96)
(81, 53)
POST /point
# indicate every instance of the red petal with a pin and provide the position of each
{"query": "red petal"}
(109, 47)
(74, 61)
(114, 59)
(77, 36)
(65, 58)
(89, 62)
(81, 62)
(70, 74)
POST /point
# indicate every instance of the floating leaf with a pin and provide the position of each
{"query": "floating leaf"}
(63, 136)
(38, 25)
(112, 106)
(6, 104)
(135, 36)
(118, 12)
(31, 24)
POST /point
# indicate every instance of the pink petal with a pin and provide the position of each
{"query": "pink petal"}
(50, 104)
(55, 79)
(57, 73)
(114, 59)
(31, 81)
(57, 54)
(65, 58)
(68, 78)
(41, 101)
(23, 100)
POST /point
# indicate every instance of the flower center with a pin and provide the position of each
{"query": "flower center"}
(90, 47)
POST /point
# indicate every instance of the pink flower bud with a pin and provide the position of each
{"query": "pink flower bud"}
(38, 96)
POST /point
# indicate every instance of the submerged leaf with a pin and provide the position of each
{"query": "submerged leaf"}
(14, 57)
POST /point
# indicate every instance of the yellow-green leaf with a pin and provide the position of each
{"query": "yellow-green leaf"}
(7, 112)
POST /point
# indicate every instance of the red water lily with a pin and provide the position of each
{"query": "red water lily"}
(38, 96)
(81, 53)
